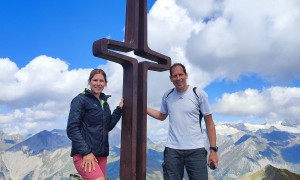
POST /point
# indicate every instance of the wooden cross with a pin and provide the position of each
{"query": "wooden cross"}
(134, 119)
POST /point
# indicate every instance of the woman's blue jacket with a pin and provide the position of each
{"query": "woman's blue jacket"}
(89, 122)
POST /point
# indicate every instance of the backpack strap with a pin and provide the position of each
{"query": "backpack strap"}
(200, 113)
(170, 92)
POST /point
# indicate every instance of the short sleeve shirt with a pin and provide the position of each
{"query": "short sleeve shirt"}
(183, 110)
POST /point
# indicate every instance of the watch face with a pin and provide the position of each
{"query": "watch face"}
(214, 148)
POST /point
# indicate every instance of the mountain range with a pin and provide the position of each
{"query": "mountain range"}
(243, 149)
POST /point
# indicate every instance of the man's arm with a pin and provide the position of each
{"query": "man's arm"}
(156, 114)
(211, 133)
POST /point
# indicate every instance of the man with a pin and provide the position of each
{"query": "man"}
(185, 146)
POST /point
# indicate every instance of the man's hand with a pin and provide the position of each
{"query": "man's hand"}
(213, 157)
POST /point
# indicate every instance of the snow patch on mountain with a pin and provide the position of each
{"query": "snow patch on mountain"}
(223, 129)
(278, 125)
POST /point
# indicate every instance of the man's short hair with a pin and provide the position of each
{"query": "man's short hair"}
(177, 64)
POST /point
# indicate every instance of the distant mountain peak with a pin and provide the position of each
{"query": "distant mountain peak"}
(44, 140)
(270, 172)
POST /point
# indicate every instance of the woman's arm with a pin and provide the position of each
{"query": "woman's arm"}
(116, 115)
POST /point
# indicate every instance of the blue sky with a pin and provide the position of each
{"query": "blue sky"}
(243, 53)
(64, 29)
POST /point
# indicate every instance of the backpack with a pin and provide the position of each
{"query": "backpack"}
(200, 113)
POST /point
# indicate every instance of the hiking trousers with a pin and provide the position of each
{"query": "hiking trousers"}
(194, 160)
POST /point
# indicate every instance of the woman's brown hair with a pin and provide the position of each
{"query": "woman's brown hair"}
(97, 71)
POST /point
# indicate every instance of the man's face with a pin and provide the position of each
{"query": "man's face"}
(179, 78)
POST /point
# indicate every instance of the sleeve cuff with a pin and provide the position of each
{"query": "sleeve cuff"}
(119, 108)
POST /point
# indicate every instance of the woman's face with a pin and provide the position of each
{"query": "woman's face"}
(97, 84)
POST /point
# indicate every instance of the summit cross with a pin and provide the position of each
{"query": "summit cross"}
(134, 118)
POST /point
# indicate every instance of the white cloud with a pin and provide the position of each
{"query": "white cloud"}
(214, 39)
(271, 103)
(157, 130)
(200, 9)
(227, 39)
(38, 96)
(169, 26)
(42, 79)
(249, 102)
(250, 36)
(6, 118)
(7, 69)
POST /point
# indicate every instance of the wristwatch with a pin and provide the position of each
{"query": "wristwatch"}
(214, 148)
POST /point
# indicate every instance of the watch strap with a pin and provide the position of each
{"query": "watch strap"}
(214, 148)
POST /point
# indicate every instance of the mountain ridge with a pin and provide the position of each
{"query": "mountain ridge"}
(270, 172)
(240, 153)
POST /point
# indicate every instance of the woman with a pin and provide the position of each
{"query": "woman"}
(89, 122)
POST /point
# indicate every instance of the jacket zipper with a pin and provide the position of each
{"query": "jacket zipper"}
(104, 124)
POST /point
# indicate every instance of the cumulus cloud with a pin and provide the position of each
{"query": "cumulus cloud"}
(214, 39)
(200, 9)
(42, 79)
(169, 26)
(38, 96)
(40, 91)
(7, 68)
(226, 39)
(271, 103)
(249, 36)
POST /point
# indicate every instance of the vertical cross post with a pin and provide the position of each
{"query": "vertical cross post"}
(134, 119)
